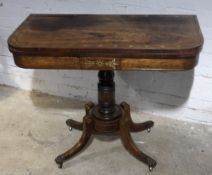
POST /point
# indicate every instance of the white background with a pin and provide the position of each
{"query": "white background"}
(182, 95)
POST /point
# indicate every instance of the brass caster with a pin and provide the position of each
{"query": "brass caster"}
(150, 168)
(59, 162)
(152, 164)
(60, 165)
(149, 130)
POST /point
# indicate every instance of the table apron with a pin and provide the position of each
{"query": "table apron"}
(106, 63)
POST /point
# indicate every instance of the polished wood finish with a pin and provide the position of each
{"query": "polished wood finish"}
(135, 127)
(74, 124)
(107, 117)
(123, 125)
(87, 131)
(107, 42)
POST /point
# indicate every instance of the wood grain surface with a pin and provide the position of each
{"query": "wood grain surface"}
(107, 42)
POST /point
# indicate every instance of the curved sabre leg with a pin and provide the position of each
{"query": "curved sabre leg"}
(136, 127)
(87, 131)
(74, 124)
(79, 125)
(129, 143)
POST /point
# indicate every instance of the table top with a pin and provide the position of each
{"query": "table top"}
(107, 42)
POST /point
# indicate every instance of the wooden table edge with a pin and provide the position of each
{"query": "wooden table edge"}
(107, 63)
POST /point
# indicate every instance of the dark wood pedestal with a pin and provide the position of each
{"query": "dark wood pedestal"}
(107, 117)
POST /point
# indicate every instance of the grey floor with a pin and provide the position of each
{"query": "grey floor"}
(33, 133)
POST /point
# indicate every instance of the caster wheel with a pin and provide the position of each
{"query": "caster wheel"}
(70, 128)
(149, 130)
(150, 168)
(151, 163)
(59, 162)
(60, 166)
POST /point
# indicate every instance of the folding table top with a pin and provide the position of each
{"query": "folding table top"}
(107, 42)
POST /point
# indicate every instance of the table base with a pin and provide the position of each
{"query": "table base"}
(107, 117)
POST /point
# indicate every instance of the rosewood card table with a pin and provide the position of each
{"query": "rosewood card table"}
(107, 43)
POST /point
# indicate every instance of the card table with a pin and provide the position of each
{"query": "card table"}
(107, 43)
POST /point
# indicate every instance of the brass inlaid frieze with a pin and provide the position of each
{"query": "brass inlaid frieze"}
(100, 63)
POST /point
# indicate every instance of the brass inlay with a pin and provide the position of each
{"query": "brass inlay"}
(112, 63)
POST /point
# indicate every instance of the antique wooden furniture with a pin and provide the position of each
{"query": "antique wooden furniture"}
(107, 43)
